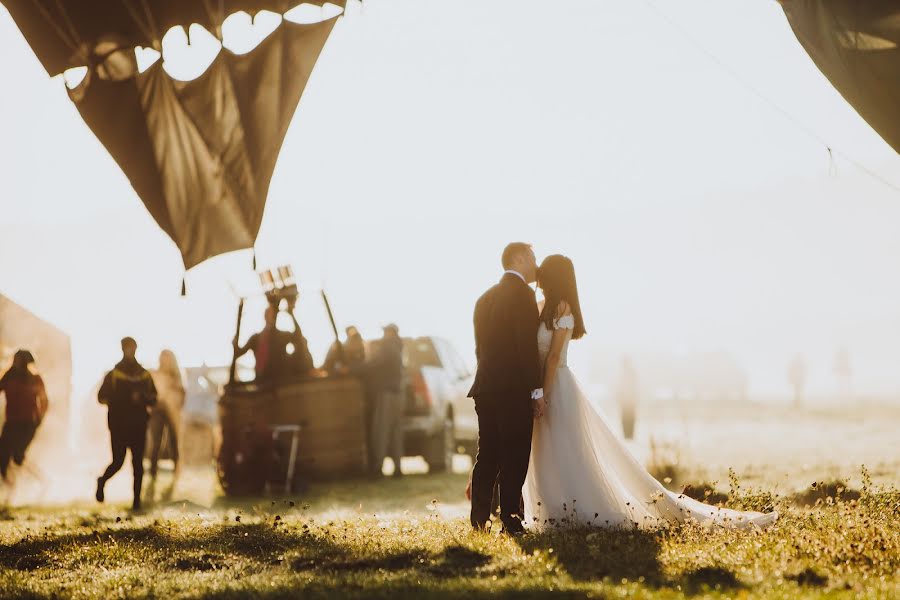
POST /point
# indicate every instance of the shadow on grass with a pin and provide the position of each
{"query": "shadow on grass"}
(592, 554)
(386, 494)
(453, 561)
(199, 551)
(711, 578)
(623, 554)
(809, 577)
(217, 548)
(396, 591)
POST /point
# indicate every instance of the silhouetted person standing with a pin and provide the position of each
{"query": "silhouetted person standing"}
(165, 419)
(128, 392)
(383, 374)
(843, 372)
(507, 390)
(270, 349)
(26, 405)
(797, 378)
(627, 395)
(350, 354)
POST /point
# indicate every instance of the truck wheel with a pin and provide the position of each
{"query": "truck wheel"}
(441, 448)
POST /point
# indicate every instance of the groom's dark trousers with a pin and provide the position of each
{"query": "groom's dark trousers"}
(504, 446)
(506, 324)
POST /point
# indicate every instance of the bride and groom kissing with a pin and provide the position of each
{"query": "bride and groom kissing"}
(552, 455)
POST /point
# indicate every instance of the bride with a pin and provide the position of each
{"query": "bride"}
(580, 472)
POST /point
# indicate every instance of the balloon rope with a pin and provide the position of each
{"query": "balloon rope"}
(59, 31)
(216, 16)
(151, 21)
(145, 29)
(68, 22)
(832, 151)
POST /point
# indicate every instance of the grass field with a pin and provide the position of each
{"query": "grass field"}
(416, 546)
(409, 538)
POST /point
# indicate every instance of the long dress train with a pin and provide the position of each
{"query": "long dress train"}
(581, 473)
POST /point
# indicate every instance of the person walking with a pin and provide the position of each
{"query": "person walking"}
(128, 391)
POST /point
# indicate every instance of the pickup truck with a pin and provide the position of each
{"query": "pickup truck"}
(439, 420)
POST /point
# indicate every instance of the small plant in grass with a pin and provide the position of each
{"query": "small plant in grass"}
(748, 498)
(706, 492)
(831, 491)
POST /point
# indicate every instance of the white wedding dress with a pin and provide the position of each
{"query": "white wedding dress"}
(582, 474)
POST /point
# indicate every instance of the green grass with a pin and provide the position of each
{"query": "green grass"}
(417, 544)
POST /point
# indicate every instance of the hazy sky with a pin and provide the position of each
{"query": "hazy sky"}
(432, 133)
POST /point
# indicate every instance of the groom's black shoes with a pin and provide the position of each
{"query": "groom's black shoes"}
(513, 527)
(513, 532)
(482, 527)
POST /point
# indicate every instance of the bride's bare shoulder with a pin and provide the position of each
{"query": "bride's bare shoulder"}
(563, 310)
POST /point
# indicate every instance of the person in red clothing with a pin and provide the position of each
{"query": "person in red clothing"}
(270, 345)
(26, 405)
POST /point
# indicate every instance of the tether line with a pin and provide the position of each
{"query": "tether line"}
(799, 124)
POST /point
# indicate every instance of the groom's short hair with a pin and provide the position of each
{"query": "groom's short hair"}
(512, 251)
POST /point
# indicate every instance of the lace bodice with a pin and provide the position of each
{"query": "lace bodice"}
(545, 337)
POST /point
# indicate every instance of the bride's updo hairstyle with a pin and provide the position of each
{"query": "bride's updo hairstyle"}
(556, 277)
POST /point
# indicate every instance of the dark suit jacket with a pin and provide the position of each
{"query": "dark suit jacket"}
(506, 326)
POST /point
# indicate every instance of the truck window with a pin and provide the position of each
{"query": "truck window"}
(453, 360)
(420, 352)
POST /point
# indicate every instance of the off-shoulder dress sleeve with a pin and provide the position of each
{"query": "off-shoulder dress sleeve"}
(565, 322)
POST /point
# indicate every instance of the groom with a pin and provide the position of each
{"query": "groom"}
(507, 388)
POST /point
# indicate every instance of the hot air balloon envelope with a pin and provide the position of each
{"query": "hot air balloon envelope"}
(200, 154)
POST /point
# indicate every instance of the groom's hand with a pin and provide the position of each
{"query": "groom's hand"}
(539, 406)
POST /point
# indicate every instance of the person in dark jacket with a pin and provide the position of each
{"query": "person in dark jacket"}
(383, 375)
(507, 388)
(128, 391)
(26, 405)
(351, 353)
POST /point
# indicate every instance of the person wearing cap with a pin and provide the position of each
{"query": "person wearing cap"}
(128, 392)
(26, 405)
(383, 374)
